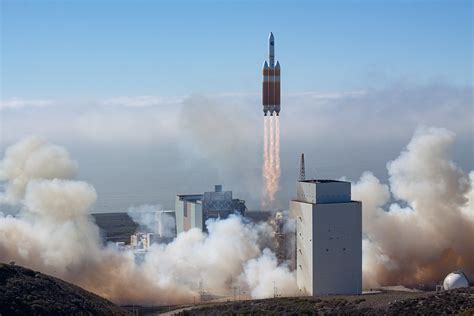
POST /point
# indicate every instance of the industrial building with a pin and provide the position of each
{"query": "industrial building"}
(192, 210)
(328, 253)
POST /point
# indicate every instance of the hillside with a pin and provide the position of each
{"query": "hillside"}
(115, 226)
(26, 292)
(455, 302)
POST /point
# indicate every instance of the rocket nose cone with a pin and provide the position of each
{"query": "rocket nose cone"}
(271, 35)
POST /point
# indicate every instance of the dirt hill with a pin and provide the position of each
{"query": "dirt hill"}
(26, 292)
(454, 302)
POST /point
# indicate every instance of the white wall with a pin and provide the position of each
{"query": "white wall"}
(196, 215)
(179, 213)
(337, 248)
(328, 242)
(302, 214)
(326, 192)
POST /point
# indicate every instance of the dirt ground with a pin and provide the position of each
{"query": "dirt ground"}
(385, 302)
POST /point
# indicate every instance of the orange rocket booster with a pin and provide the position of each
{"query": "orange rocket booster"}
(271, 81)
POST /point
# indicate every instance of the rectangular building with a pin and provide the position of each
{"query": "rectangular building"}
(193, 210)
(188, 212)
(328, 257)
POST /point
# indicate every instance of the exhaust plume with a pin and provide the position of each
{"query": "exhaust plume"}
(429, 230)
(33, 158)
(271, 160)
(53, 232)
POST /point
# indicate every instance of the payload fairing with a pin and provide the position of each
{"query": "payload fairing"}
(271, 81)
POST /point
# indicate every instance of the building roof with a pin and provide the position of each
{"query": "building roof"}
(323, 181)
(190, 197)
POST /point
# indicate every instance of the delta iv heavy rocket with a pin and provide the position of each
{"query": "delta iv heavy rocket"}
(271, 81)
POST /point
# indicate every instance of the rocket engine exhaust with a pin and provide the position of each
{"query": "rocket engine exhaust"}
(271, 160)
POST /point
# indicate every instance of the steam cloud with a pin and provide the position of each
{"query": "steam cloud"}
(54, 233)
(429, 230)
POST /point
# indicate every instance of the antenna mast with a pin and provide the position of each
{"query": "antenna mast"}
(302, 169)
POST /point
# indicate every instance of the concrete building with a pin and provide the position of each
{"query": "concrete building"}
(328, 257)
(141, 240)
(192, 210)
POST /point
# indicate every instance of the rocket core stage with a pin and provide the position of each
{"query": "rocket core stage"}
(271, 81)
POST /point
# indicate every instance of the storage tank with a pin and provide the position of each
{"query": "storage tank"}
(455, 280)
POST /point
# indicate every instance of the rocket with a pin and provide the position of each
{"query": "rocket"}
(271, 81)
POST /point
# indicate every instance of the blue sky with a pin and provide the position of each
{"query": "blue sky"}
(158, 97)
(96, 49)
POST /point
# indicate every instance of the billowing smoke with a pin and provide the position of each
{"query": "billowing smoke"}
(152, 218)
(271, 160)
(33, 158)
(416, 230)
(54, 233)
(264, 273)
(420, 227)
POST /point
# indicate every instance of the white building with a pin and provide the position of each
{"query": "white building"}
(188, 210)
(328, 238)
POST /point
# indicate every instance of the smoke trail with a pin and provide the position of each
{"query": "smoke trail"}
(54, 233)
(429, 232)
(271, 188)
(277, 153)
(271, 161)
(266, 164)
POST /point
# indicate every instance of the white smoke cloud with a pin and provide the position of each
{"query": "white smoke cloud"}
(54, 233)
(468, 208)
(428, 231)
(418, 237)
(266, 278)
(151, 218)
(61, 200)
(33, 158)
